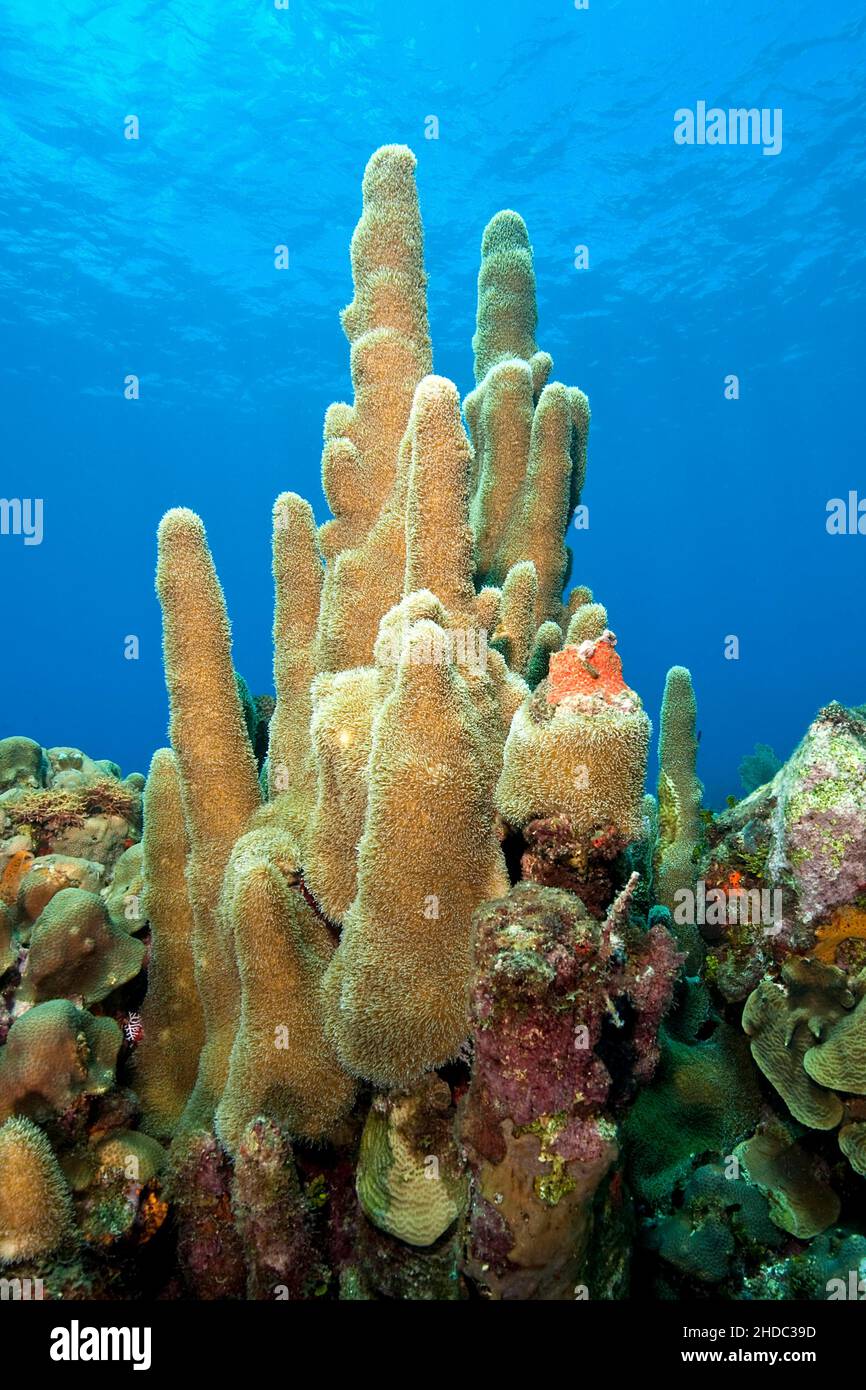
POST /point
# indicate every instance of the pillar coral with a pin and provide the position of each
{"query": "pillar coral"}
(36, 1214)
(578, 748)
(166, 1061)
(386, 324)
(586, 624)
(218, 780)
(679, 800)
(516, 631)
(297, 592)
(396, 992)
(529, 437)
(331, 925)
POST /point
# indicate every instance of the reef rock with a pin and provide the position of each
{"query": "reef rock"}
(566, 1012)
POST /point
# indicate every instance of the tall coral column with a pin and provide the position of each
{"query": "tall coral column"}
(529, 437)
(396, 992)
(679, 797)
(431, 718)
(166, 1062)
(297, 566)
(218, 781)
(386, 325)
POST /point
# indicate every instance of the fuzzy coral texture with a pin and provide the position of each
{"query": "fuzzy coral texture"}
(391, 988)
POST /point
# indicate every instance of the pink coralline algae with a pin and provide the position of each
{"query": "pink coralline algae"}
(820, 816)
(537, 946)
(566, 1011)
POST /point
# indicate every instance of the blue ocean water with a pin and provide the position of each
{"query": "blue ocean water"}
(155, 258)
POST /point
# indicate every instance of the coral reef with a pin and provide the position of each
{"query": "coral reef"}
(400, 985)
(784, 975)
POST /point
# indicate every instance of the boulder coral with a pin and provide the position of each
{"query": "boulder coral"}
(712, 1235)
(23, 765)
(50, 874)
(124, 892)
(54, 1054)
(76, 951)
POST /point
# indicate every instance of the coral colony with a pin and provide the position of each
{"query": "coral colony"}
(404, 987)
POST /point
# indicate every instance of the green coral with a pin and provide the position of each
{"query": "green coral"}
(722, 1224)
(801, 1203)
(839, 1059)
(759, 767)
(679, 800)
(705, 1097)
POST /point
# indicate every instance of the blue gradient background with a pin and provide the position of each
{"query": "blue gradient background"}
(155, 257)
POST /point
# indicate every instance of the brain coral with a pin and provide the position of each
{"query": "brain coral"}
(783, 1020)
(408, 1176)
